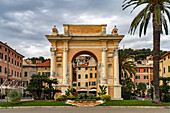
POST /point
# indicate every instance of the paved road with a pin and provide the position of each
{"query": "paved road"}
(85, 110)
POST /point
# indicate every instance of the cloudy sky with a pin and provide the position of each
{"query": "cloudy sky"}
(24, 23)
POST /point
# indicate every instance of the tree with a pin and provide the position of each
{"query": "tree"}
(127, 88)
(156, 9)
(40, 85)
(126, 67)
(142, 88)
(164, 89)
(50, 89)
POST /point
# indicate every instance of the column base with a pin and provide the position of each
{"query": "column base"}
(117, 92)
(64, 88)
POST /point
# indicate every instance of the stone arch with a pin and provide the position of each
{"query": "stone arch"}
(84, 52)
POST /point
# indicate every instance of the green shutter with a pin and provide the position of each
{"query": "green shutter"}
(168, 68)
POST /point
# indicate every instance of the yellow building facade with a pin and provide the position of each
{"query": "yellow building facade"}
(91, 40)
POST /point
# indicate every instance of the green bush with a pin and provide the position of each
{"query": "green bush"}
(15, 96)
(81, 96)
(105, 98)
(77, 99)
(166, 97)
(61, 98)
(93, 99)
(88, 99)
(83, 99)
(71, 97)
(97, 98)
(90, 96)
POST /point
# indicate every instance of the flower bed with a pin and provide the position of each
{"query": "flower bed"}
(84, 103)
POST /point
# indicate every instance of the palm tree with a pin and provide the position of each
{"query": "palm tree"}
(126, 67)
(142, 87)
(157, 9)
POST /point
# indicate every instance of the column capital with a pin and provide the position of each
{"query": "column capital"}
(104, 49)
(65, 49)
(53, 49)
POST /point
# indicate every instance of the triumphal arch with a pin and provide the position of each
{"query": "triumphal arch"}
(91, 40)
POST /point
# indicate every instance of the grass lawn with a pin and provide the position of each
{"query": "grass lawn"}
(35, 103)
(57, 103)
(131, 103)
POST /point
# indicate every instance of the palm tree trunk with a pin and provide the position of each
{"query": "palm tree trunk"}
(156, 57)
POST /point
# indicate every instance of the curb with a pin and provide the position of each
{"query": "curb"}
(26, 107)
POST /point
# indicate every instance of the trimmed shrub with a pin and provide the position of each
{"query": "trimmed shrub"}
(88, 99)
(97, 98)
(15, 96)
(77, 99)
(61, 98)
(90, 96)
(83, 99)
(93, 99)
(71, 97)
(105, 98)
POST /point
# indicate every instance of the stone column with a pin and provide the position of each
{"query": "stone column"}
(116, 66)
(104, 73)
(53, 61)
(117, 86)
(65, 62)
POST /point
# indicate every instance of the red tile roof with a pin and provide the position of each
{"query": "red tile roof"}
(46, 63)
(166, 54)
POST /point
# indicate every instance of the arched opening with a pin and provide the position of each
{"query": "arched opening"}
(85, 72)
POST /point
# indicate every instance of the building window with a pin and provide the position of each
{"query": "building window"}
(20, 75)
(1, 80)
(94, 83)
(0, 47)
(45, 68)
(78, 83)
(12, 53)
(95, 75)
(25, 74)
(6, 49)
(79, 76)
(168, 68)
(9, 71)
(39, 73)
(86, 76)
(146, 77)
(79, 68)
(145, 70)
(138, 70)
(74, 84)
(12, 72)
(5, 70)
(168, 56)
(91, 75)
(137, 77)
(86, 84)
(95, 68)
(164, 58)
(0, 68)
(9, 51)
(131, 75)
(86, 68)
(90, 83)
(15, 73)
(164, 70)
(147, 83)
(39, 68)
(1, 55)
(20, 64)
(5, 57)
(8, 59)
(15, 62)
(12, 61)
(91, 68)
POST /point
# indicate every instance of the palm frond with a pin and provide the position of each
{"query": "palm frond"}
(164, 22)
